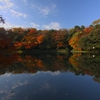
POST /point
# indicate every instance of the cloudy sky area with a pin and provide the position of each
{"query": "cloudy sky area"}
(49, 14)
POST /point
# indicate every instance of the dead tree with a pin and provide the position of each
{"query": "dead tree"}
(1, 19)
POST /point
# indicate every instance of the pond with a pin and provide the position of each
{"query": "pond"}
(50, 77)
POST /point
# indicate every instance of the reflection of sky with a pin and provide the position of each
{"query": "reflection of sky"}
(18, 84)
(8, 92)
(48, 86)
(48, 72)
(53, 73)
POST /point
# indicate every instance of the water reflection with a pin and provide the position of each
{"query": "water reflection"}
(48, 86)
(78, 64)
(49, 77)
(86, 64)
(32, 64)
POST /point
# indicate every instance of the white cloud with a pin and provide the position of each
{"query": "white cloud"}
(18, 14)
(45, 10)
(6, 4)
(53, 25)
(34, 25)
(8, 25)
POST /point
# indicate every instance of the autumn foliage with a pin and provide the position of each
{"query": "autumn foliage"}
(74, 41)
(31, 38)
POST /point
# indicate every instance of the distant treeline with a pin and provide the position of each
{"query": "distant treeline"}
(77, 38)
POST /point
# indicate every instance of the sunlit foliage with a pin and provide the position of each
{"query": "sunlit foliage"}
(77, 38)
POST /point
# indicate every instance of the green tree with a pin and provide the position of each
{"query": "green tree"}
(90, 41)
(82, 27)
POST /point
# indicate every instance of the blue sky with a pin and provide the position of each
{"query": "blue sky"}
(49, 14)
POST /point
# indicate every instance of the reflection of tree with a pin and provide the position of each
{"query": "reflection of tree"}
(32, 64)
(55, 62)
(86, 64)
(77, 63)
(7, 59)
(44, 63)
(91, 64)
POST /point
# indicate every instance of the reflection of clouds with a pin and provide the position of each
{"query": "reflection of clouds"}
(45, 87)
(18, 84)
(6, 74)
(8, 93)
(56, 73)
(14, 85)
(48, 72)
(53, 73)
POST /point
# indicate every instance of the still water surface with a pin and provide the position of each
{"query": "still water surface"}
(50, 77)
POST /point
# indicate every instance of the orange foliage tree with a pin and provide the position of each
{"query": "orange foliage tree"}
(73, 42)
(87, 30)
(30, 40)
